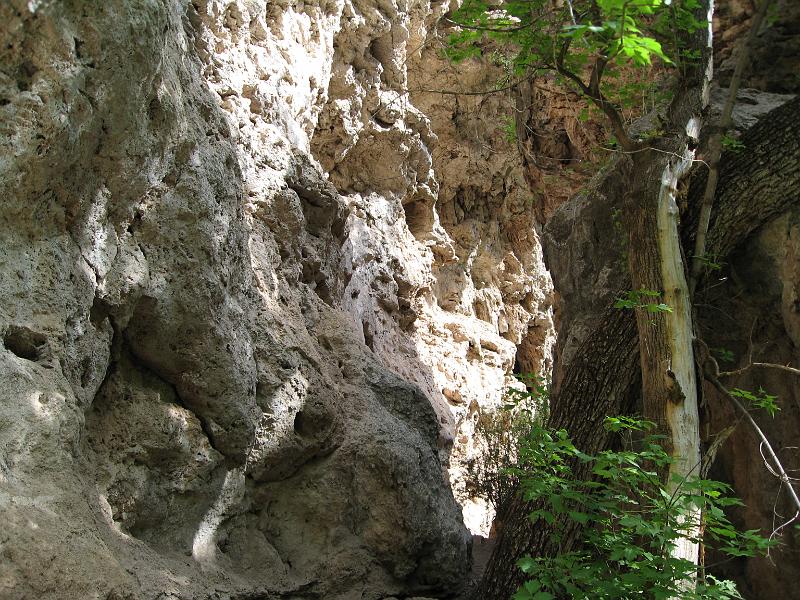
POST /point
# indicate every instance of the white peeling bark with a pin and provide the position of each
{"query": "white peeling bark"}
(682, 415)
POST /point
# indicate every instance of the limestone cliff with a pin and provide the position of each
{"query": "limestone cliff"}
(254, 286)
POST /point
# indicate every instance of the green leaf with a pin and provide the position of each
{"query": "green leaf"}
(527, 564)
(578, 516)
(759, 400)
(727, 532)
(629, 517)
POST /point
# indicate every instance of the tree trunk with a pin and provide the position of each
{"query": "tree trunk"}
(599, 377)
(715, 147)
(666, 355)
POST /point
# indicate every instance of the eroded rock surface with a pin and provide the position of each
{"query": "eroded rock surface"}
(253, 291)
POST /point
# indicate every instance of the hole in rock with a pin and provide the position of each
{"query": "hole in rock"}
(301, 425)
(324, 292)
(419, 217)
(23, 342)
(25, 76)
(368, 337)
(531, 357)
(99, 311)
(382, 122)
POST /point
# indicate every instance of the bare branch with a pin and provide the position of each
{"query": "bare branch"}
(778, 470)
(750, 364)
(597, 74)
(491, 29)
(592, 92)
(711, 373)
(711, 453)
(475, 93)
(762, 365)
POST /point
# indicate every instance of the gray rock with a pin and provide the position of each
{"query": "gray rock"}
(750, 105)
(184, 411)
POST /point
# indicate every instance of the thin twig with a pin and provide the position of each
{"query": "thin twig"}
(763, 365)
(491, 29)
(711, 373)
(711, 452)
(781, 472)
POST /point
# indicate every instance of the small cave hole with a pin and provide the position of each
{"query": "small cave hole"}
(419, 217)
(368, 337)
(87, 373)
(381, 122)
(78, 47)
(23, 342)
(155, 110)
(99, 311)
(302, 426)
(25, 75)
(324, 292)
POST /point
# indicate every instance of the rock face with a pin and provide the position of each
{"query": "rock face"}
(756, 318)
(776, 52)
(252, 291)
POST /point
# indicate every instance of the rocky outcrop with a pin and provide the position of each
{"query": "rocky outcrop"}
(776, 49)
(254, 287)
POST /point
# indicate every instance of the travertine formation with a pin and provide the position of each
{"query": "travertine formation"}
(255, 286)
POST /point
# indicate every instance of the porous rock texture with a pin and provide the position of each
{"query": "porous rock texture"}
(254, 286)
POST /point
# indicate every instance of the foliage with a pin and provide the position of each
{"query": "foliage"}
(571, 37)
(760, 399)
(510, 129)
(709, 262)
(732, 143)
(630, 520)
(724, 355)
(634, 299)
(530, 402)
(498, 434)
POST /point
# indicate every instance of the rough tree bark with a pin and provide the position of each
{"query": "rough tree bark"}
(715, 147)
(601, 375)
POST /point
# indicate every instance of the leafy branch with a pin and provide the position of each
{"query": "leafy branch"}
(631, 520)
(636, 299)
(580, 41)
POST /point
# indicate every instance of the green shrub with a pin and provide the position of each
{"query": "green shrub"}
(498, 434)
(630, 520)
